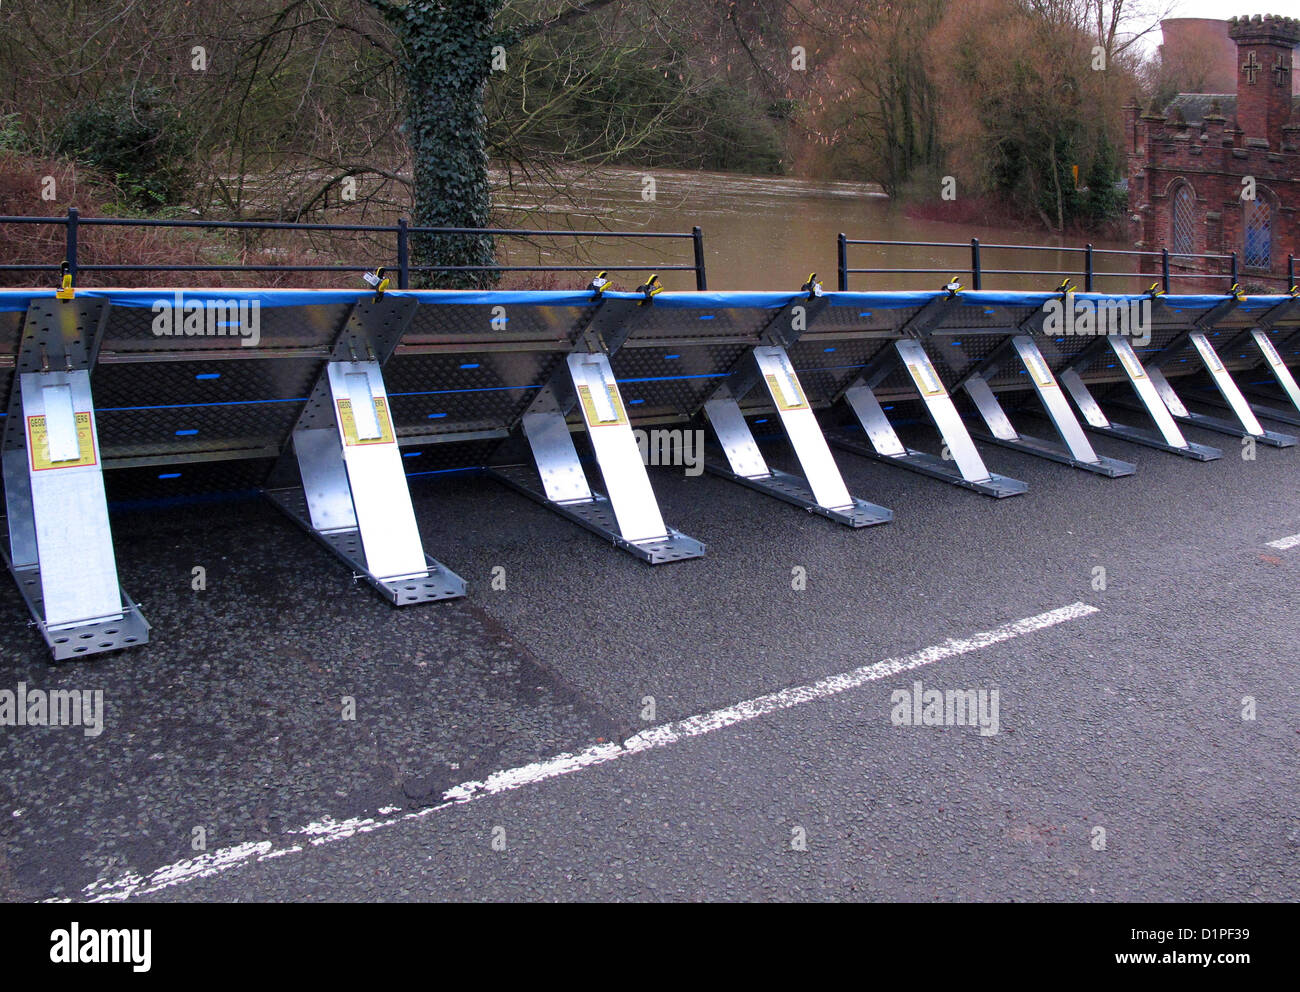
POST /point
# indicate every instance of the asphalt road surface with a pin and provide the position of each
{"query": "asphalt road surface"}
(1124, 764)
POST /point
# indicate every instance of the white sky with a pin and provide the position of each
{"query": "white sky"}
(1223, 10)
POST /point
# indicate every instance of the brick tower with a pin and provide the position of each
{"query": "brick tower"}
(1265, 63)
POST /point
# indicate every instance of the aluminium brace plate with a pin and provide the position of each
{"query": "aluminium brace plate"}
(795, 490)
(1258, 409)
(1110, 468)
(1073, 447)
(1166, 436)
(924, 463)
(1245, 427)
(438, 582)
(79, 640)
(597, 515)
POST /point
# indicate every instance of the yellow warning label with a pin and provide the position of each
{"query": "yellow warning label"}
(349, 423)
(1131, 364)
(1270, 353)
(926, 381)
(593, 415)
(38, 444)
(1038, 368)
(1211, 358)
(789, 397)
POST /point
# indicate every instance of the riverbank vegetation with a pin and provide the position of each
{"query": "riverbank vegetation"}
(358, 110)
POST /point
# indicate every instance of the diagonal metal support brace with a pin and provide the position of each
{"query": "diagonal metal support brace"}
(1073, 449)
(1167, 436)
(961, 465)
(1258, 336)
(627, 513)
(821, 489)
(354, 498)
(60, 547)
(1246, 425)
(1285, 380)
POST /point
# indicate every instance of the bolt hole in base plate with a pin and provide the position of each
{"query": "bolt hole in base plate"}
(440, 582)
(86, 639)
(597, 516)
(795, 490)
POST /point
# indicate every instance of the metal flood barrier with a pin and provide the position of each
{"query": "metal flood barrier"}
(328, 400)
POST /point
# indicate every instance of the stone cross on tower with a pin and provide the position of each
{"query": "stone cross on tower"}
(1265, 43)
(1250, 67)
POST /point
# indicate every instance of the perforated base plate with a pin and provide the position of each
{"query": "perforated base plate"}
(1150, 439)
(997, 486)
(597, 516)
(793, 489)
(130, 630)
(1267, 412)
(1272, 438)
(439, 583)
(1111, 468)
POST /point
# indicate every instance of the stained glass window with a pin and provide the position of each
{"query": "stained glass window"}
(1183, 241)
(1257, 247)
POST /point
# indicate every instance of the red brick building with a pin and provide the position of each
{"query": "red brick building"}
(1190, 163)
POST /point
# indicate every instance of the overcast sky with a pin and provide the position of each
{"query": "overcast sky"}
(1223, 10)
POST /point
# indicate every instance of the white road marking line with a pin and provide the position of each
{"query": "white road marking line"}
(1285, 543)
(328, 830)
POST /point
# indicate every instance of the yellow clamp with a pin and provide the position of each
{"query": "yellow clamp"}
(651, 287)
(1154, 290)
(600, 283)
(378, 281)
(65, 290)
(953, 287)
(812, 287)
(1235, 291)
(1065, 286)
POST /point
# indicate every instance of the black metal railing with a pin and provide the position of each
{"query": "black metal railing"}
(1165, 266)
(402, 232)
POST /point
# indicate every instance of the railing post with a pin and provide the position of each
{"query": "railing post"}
(1087, 268)
(1164, 268)
(403, 256)
(697, 240)
(842, 262)
(1290, 272)
(70, 248)
(975, 280)
(1234, 269)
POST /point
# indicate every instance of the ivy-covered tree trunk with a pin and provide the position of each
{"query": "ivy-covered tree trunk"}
(448, 58)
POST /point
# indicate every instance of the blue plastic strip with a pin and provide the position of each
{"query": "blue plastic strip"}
(16, 300)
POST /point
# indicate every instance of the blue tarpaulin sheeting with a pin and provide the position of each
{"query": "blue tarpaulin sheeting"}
(12, 300)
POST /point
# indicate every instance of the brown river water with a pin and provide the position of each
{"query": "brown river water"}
(770, 232)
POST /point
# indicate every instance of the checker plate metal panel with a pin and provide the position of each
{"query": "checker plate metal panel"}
(189, 409)
(451, 393)
(139, 331)
(499, 325)
(672, 381)
(651, 323)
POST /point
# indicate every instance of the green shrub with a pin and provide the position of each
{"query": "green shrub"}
(135, 137)
(12, 136)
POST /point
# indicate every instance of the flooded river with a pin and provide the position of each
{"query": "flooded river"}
(768, 233)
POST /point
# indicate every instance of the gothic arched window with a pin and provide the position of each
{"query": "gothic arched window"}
(1183, 225)
(1257, 234)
